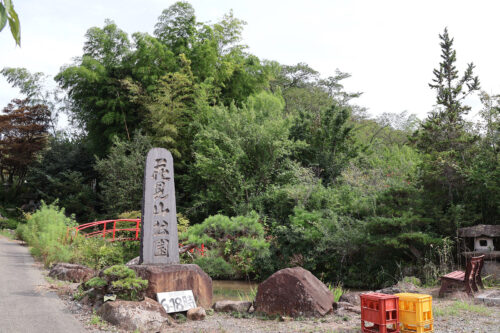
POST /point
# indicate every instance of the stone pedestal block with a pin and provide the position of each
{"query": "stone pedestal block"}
(165, 278)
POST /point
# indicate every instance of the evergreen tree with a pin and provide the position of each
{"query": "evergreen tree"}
(445, 138)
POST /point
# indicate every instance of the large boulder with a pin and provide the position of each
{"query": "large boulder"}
(71, 272)
(232, 306)
(294, 292)
(145, 316)
(164, 278)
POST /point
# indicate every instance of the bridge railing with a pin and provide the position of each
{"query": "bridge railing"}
(113, 230)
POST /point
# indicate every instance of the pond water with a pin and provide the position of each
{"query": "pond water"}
(234, 290)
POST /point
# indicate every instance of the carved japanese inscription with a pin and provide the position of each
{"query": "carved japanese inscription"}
(159, 240)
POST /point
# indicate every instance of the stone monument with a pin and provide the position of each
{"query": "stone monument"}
(159, 257)
(159, 240)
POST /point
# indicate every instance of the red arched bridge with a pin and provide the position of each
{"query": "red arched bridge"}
(120, 230)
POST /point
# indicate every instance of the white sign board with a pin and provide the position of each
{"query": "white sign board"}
(177, 301)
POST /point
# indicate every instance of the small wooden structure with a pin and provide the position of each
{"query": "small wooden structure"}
(484, 240)
(470, 279)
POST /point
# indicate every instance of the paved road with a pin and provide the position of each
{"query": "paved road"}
(23, 309)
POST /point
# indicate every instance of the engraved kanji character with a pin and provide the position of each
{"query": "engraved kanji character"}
(160, 207)
(160, 226)
(160, 169)
(160, 189)
(161, 247)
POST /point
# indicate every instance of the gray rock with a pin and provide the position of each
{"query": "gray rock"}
(350, 298)
(134, 261)
(71, 272)
(197, 313)
(145, 316)
(232, 306)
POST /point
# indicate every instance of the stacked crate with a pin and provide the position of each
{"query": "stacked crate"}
(379, 313)
(415, 313)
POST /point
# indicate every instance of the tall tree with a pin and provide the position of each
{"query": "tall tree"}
(444, 137)
(65, 172)
(23, 133)
(329, 138)
(33, 87)
(176, 27)
(99, 101)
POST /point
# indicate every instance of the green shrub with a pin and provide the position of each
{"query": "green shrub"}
(96, 282)
(118, 272)
(215, 267)
(9, 224)
(238, 240)
(45, 232)
(121, 281)
(98, 253)
(413, 280)
(130, 288)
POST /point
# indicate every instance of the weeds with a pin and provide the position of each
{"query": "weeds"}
(249, 296)
(241, 315)
(78, 294)
(438, 262)
(490, 282)
(458, 307)
(96, 320)
(180, 318)
(6, 233)
(337, 291)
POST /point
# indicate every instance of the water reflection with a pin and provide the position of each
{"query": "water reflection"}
(234, 290)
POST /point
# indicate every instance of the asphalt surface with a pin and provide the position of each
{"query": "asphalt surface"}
(24, 307)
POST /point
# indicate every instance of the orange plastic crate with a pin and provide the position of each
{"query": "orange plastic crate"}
(379, 313)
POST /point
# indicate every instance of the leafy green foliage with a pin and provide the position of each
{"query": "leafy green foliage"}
(238, 240)
(65, 170)
(121, 173)
(118, 272)
(96, 283)
(216, 267)
(124, 282)
(240, 153)
(45, 232)
(7, 13)
(330, 146)
(119, 280)
(98, 253)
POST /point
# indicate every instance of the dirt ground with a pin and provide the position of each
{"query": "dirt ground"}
(456, 313)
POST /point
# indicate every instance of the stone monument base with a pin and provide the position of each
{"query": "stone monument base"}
(165, 278)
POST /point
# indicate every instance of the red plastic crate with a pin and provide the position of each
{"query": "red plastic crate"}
(381, 310)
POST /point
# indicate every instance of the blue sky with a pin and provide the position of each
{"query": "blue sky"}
(389, 47)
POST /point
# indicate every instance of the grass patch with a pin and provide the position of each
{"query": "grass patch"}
(95, 320)
(241, 315)
(337, 291)
(459, 307)
(57, 283)
(6, 233)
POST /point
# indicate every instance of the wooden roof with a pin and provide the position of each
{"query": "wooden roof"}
(480, 230)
